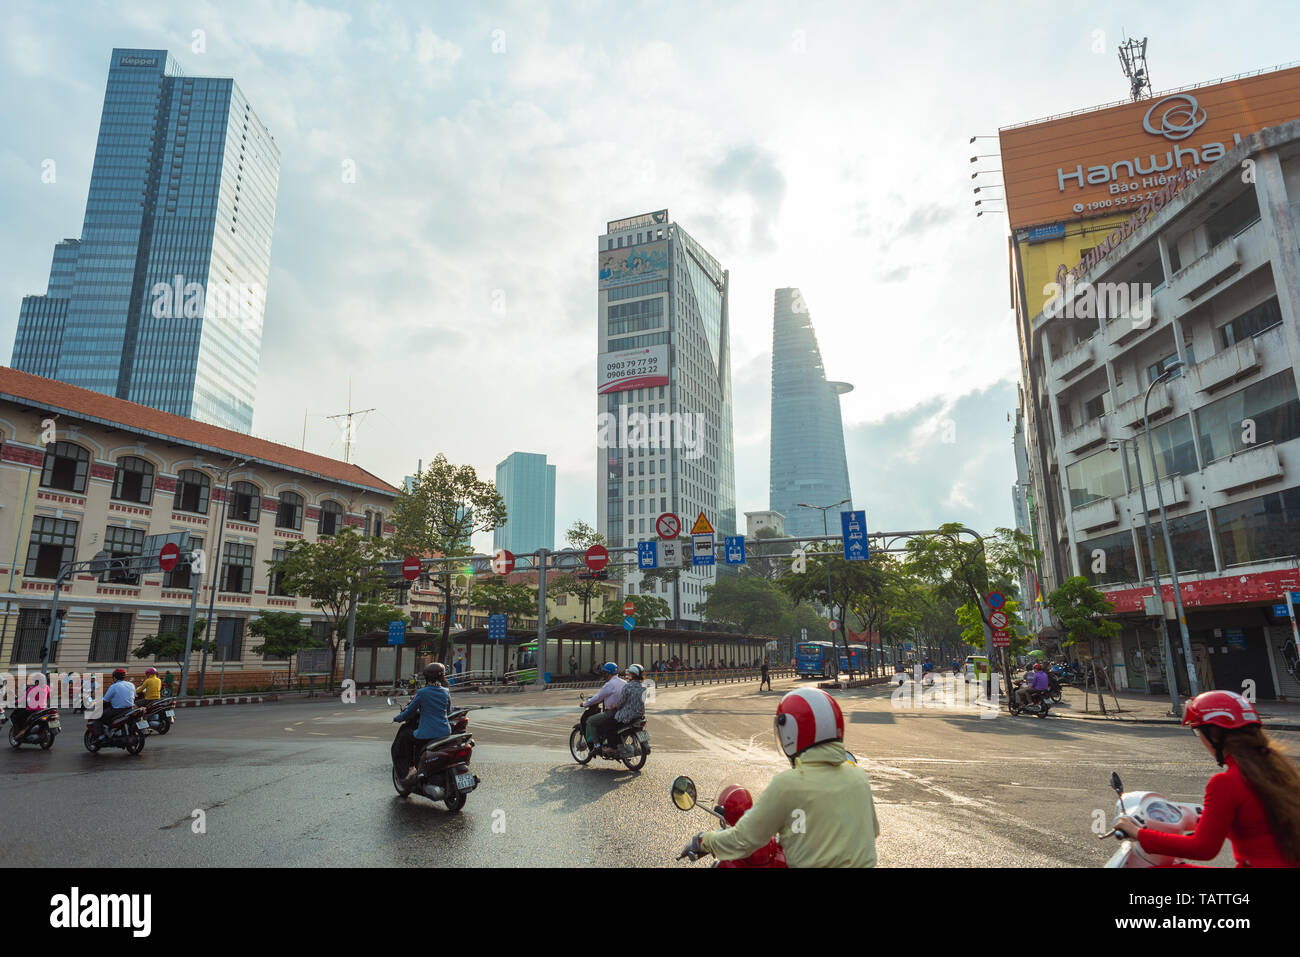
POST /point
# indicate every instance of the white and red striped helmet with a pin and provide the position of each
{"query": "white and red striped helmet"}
(806, 717)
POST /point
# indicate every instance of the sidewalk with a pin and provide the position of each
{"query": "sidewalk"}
(1138, 708)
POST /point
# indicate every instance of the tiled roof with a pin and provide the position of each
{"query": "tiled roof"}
(75, 402)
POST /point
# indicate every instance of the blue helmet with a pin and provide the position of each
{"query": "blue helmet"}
(610, 668)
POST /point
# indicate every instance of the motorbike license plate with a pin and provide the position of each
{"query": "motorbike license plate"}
(54, 724)
(643, 737)
(142, 725)
(171, 714)
(464, 782)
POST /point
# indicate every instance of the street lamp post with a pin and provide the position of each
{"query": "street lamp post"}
(830, 600)
(210, 629)
(1175, 709)
(1164, 526)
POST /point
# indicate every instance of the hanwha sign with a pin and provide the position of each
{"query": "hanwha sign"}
(1179, 115)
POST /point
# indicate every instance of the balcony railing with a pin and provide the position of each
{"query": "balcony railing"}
(1074, 360)
(1173, 488)
(1085, 436)
(1197, 278)
(1224, 368)
(1130, 413)
(1096, 514)
(1240, 469)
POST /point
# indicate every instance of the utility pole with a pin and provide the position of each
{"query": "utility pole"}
(347, 435)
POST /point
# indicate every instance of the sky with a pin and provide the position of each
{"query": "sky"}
(450, 283)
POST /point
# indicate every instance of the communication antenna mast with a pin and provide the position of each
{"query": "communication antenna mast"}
(1133, 58)
(347, 434)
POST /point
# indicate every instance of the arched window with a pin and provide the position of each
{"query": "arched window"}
(192, 490)
(331, 518)
(66, 467)
(133, 480)
(245, 502)
(289, 514)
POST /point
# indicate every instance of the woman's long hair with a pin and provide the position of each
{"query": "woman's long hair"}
(1272, 775)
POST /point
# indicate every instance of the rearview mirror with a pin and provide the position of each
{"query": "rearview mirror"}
(1116, 784)
(848, 755)
(684, 793)
(390, 701)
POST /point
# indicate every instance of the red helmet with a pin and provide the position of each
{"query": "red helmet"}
(1038, 666)
(806, 717)
(119, 674)
(733, 802)
(1225, 709)
(151, 671)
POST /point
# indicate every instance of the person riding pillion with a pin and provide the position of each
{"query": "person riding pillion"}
(629, 708)
(822, 807)
(608, 696)
(431, 704)
(151, 687)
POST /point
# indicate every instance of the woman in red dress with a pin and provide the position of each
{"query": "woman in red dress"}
(1254, 802)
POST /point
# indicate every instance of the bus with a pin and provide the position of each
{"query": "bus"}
(857, 655)
(526, 662)
(815, 659)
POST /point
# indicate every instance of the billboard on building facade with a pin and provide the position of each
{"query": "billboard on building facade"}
(633, 264)
(631, 369)
(1109, 161)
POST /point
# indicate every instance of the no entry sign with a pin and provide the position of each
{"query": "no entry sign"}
(668, 525)
(597, 557)
(629, 608)
(169, 556)
(411, 568)
(503, 562)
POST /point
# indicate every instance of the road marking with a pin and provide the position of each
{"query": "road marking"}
(288, 729)
(319, 733)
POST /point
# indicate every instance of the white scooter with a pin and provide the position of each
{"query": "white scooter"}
(1153, 811)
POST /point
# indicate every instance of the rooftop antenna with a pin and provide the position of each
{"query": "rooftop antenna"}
(347, 435)
(1133, 58)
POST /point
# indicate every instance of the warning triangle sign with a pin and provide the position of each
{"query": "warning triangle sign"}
(701, 526)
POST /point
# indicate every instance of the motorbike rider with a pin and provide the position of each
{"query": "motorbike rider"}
(1254, 802)
(431, 704)
(821, 807)
(151, 687)
(118, 700)
(629, 708)
(1033, 683)
(608, 696)
(36, 697)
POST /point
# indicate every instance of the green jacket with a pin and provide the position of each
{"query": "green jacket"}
(821, 808)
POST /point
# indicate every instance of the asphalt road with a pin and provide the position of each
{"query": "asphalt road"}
(306, 783)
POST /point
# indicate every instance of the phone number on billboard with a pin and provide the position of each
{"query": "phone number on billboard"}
(630, 365)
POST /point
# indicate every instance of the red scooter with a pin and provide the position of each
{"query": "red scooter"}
(160, 715)
(126, 731)
(731, 804)
(443, 766)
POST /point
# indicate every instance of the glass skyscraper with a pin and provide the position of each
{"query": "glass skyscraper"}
(527, 484)
(663, 396)
(161, 300)
(808, 463)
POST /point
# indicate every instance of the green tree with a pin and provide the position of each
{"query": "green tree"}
(438, 517)
(649, 610)
(375, 616)
(283, 635)
(516, 602)
(328, 572)
(1081, 610)
(171, 647)
(580, 536)
(751, 603)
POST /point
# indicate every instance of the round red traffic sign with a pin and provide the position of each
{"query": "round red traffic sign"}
(411, 568)
(503, 562)
(998, 619)
(629, 608)
(668, 525)
(597, 557)
(169, 556)
(833, 625)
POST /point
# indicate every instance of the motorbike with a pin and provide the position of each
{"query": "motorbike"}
(633, 745)
(42, 728)
(126, 731)
(684, 797)
(443, 772)
(160, 715)
(1053, 688)
(1039, 704)
(1153, 811)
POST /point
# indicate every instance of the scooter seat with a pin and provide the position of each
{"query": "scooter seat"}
(448, 741)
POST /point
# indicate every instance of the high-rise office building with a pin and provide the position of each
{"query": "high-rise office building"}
(527, 484)
(808, 464)
(664, 395)
(161, 300)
